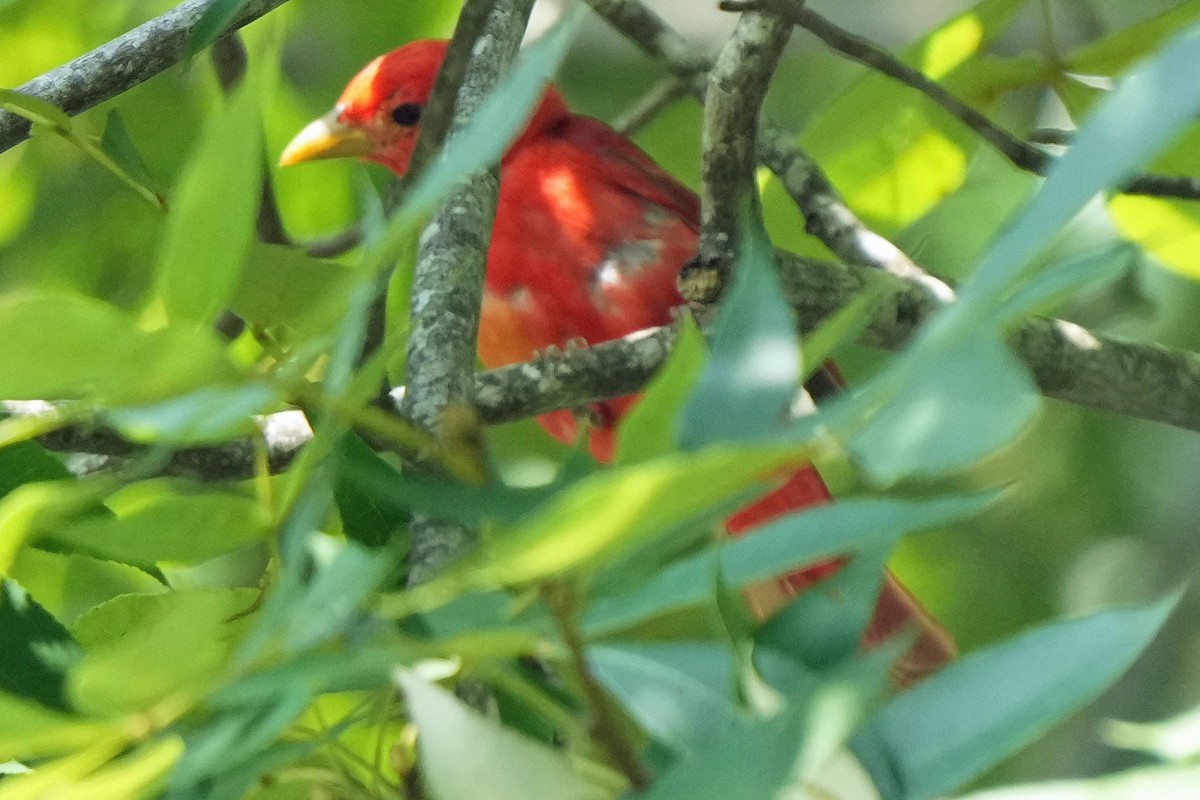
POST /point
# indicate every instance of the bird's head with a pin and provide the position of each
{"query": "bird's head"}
(379, 113)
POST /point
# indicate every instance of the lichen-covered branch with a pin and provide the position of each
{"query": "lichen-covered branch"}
(447, 286)
(737, 86)
(1069, 363)
(120, 64)
(826, 214)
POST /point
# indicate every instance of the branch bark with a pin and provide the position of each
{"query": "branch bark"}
(826, 214)
(737, 86)
(121, 64)
(447, 287)
(1068, 362)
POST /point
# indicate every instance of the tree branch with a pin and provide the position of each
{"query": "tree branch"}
(447, 286)
(826, 214)
(1020, 153)
(121, 64)
(1068, 362)
(737, 86)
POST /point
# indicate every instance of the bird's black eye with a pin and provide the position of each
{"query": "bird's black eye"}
(407, 114)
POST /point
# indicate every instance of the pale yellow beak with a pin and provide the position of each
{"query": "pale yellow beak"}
(326, 137)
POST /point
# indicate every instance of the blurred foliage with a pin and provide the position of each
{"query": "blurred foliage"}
(211, 641)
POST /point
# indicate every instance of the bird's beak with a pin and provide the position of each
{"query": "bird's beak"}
(327, 137)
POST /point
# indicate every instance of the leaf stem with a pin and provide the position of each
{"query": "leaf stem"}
(561, 600)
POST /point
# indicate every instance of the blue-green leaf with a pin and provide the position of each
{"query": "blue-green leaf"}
(754, 367)
(777, 548)
(960, 722)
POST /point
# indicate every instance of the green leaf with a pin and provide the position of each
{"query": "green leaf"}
(1158, 782)
(204, 416)
(34, 109)
(956, 397)
(345, 575)
(823, 627)
(132, 635)
(283, 286)
(29, 730)
(217, 17)
(68, 585)
(797, 540)
(681, 693)
(891, 151)
(211, 226)
(136, 774)
(119, 155)
(1170, 229)
(754, 365)
(155, 522)
(396, 494)
(1149, 107)
(365, 519)
(1114, 53)
(842, 327)
(34, 509)
(226, 756)
(1059, 279)
(63, 345)
(960, 722)
(649, 430)
(27, 462)
(37, 649)
(617, 508)
(458, 748)
(755, 760)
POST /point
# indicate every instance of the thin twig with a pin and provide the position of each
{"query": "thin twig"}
(605, 718)
(1020, 153)
(120, 64)
(643, 110)
(826, 214)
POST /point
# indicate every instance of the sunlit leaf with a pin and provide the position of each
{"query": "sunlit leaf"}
(1146, 110)
(34, 109)
(131, 635)
(68, 585)
(283, 286)
(777, 548)
(459, 748)
(890, 150)
(1115, 52)
(155, 522)
(62, 345)
(211, 225)
(29, 730)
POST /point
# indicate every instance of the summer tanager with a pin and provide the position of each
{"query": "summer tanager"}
(588, 241)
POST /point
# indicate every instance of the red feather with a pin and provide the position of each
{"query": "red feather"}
(589, 237)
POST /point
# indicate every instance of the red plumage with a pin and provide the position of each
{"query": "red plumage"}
(588, 240)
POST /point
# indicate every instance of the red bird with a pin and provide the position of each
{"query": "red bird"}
(588, 240)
